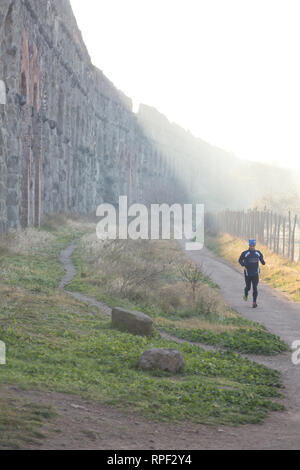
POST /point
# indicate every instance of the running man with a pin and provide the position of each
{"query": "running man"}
(250, 259)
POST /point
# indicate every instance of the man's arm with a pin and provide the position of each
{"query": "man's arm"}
(261, 258)
(242, 259)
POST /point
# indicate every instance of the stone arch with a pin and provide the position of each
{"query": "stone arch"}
(23, 85)
(35, 95)
(26, 137)
(128, 176)
(8, 24)
(60, 110)
(37, 137)
(134, 176)
(35, 74)
(25, 68)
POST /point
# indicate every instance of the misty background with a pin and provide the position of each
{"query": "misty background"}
(220, 81)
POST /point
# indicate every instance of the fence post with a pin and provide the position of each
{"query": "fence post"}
(283, 236)
(271, 229)
(290, 231)
(262, 227)
(268, 228)
(293, 239)
(275, 233)
(278, 234)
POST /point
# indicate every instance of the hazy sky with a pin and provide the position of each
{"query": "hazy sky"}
(227, 70)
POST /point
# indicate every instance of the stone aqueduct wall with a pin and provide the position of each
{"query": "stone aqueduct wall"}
(68, 137)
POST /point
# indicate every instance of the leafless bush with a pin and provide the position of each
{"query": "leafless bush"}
(152, 273)
(171, 298)
(207, 302)
(127, 266)
(191, 274)
(136, 265)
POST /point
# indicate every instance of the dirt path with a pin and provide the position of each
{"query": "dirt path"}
(66, 259)
(88, 425)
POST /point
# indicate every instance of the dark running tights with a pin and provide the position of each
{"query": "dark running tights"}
(254, 280)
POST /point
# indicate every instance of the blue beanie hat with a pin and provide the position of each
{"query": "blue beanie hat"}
(252, 242)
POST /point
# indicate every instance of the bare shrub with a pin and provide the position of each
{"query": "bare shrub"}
(126, 266)
(153, 274)
(137, 266)
(208, 302)
(171, 298)
(190, 273)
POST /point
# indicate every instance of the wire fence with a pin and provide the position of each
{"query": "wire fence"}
(280, 233)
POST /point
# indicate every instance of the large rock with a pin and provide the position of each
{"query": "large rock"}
(165, 359)
(132, 321)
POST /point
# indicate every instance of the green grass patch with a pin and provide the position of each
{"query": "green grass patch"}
(241, 340)
(100, 363)
(40, 272)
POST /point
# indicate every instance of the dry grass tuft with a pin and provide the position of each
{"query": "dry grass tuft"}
(26, 242)
(78, 223)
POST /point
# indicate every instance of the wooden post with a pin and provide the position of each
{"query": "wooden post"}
(283, 237)
(271, 229)
(263, 227)
(278, 234)
(290, 234)
(293, 239)
(268, 228)
(275, 233)
(255, 223)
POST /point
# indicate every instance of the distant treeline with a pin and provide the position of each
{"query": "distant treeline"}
(280, 233)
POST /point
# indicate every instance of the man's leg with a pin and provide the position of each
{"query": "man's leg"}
(248, 285)
(255, 281)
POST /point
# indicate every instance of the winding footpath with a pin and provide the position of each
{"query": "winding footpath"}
(66, 259)
(280, 315)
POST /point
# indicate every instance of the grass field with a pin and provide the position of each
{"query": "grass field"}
(56, 343)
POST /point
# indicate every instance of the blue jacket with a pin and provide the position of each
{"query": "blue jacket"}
(250, 261)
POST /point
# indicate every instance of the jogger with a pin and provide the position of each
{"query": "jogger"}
(250, 259)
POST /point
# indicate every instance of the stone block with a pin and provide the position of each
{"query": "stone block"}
(132, 321)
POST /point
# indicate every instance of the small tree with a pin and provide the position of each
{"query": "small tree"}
(190, 273)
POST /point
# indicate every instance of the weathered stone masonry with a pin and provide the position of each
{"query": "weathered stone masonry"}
(68, 137)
